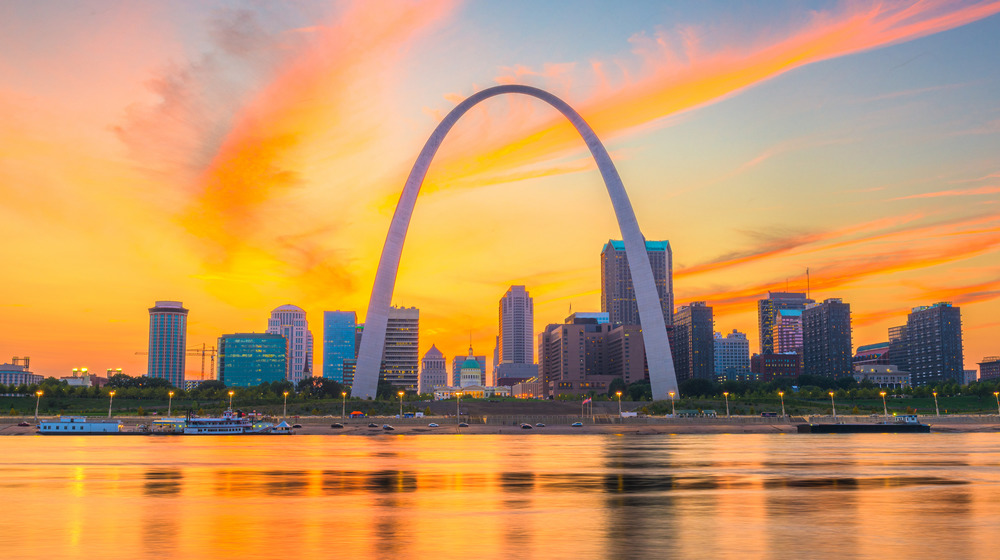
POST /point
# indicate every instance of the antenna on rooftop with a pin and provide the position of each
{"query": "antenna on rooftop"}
(807, 282)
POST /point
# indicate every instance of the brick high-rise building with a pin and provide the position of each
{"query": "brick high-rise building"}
(934, 344)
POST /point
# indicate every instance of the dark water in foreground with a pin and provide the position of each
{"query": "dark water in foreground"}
(519, 496)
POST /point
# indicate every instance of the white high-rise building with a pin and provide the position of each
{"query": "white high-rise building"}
(400, 357)
(290, 321)
(732, 356)
(433, 372)
(515, 343)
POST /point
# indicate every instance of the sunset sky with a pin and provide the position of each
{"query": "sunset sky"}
(240, 156)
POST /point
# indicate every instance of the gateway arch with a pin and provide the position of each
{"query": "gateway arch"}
(654, 330)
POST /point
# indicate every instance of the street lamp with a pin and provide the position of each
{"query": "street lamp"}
(284, 408)
(781, 395)
(937, 411)
(885, 410)
(833, 405)
(231, 393)
(458, 407)
(170, 402)
(619, 393)
(111, 400)
(401, 405)
(672, 411)
(38, 397)
(997, 395)
(726, 394)
(343, 405)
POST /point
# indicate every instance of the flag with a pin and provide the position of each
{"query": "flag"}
(587, 400)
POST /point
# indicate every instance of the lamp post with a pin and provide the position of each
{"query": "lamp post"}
(458, 407)
(997, 395)
(885, 410)
(401, 405)
(231, 393)
(833, 405)
(343, 405)
(619, 394)
(170, 402)
(284, 408)
(937, 411)
(781, 395)
(38, 397)
(673, 412)
(110, 400)
(726, 394)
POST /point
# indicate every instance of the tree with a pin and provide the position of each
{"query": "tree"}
(697, 387)
(320, 387)
(617, 384)
(640, 391)
(211, 385)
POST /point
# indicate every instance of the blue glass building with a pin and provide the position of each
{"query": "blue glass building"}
(339, 337)
(167, 341)
(247, 360)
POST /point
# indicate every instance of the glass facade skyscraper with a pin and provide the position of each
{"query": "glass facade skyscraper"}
(167, 341)
(339, 336)
(617, 291)
(249, 359)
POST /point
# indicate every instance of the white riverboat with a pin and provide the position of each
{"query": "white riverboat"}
(79, 425)
(228, 424)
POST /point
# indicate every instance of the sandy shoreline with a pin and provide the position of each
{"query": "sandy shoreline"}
(313, 427)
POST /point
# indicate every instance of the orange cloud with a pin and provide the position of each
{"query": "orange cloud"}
(962, 192)
(667, 88)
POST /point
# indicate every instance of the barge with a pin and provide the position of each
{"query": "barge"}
(905, 424)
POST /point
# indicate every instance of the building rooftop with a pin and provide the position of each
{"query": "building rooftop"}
(619, 245)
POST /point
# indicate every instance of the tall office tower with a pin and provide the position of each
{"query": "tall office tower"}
(786, 333)
(339, 334)
(517, 319)
(693, 342)
(934, 344)
(290, 322)
(617, 293)
(400, 357)
(899, 352)
(515, 349)
(433, 372)
(826, 339)
(167, 341)
(249, 359)
(732, 356)
(459, 361)
(767, 313)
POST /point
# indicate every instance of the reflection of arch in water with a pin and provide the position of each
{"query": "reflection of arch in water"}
(654, 330)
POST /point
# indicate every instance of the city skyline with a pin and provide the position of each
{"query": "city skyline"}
(855, 140)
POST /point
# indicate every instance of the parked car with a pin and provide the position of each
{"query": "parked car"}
(387, 427)
(336, 425)
(577, 424)
(539, 425)
(372, 425)
(525, 426)
(23, 424)
(432, 425)
(463, 425)
(296, 425)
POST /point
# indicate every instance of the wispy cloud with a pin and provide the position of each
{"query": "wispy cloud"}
(953, 192)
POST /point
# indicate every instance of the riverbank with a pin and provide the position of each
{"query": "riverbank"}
(636, 427)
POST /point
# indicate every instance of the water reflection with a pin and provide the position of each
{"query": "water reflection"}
(501, 497)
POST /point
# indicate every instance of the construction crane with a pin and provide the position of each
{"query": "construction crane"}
(204, 350)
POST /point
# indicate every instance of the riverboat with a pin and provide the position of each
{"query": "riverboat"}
(903, 424)
(80, 425)
(228, 424)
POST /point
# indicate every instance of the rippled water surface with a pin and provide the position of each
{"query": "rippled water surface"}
(518, 496)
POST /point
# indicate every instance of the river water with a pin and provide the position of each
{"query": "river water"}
(507, 496)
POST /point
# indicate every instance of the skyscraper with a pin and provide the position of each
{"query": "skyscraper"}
(767, 314)
(290, 322)
(517, 316)
(826, 339)
(693, 342)
(167, 341)
(786, 332)
(732, 356)
(339, 334)
(617, 292)
(433, 372)
(400, 356)
(934, 344)
(249, 359)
